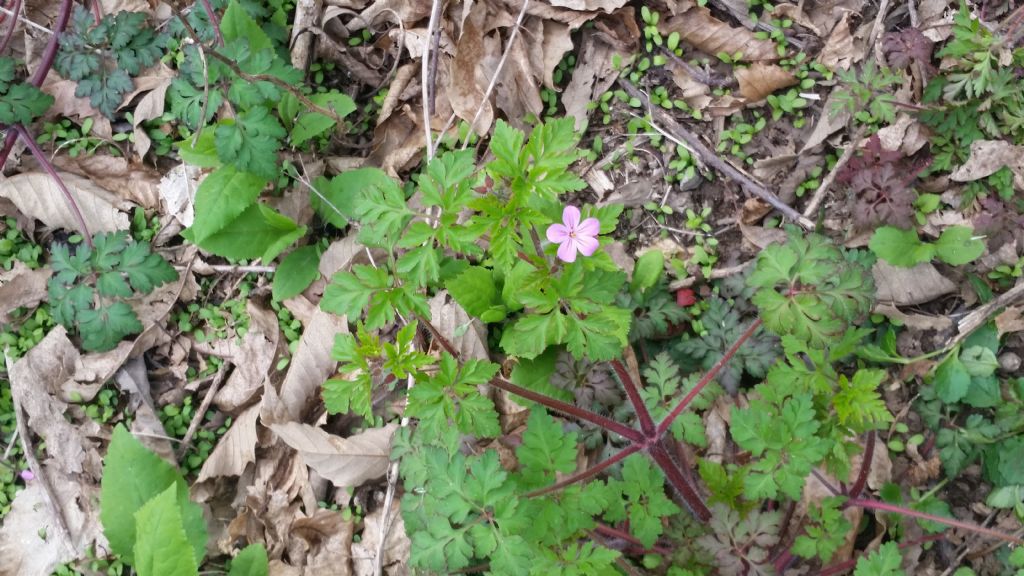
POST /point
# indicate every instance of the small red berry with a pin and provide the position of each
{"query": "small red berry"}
(685, 297)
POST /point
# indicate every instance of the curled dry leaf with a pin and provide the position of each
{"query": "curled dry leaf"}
(235, 450)
(909, 286)
(396, 544)
(466, 83)
(21, 287)
(177, 191)
(346, 462)
(839, 52)
(325, 540)
(136, 183)
(700, 29)
(590, 5)
(252, 359)
(38, 196)
(467, 334)
(611, 37)
(760, 79)
(987, 157)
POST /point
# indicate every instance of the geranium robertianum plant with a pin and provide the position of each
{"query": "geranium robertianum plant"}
(480, 234)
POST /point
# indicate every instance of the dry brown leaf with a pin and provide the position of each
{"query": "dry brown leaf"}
(762, 237)
(615, 35)
(828, 124)
(397, 545)
(839, 52)
(252, 359)
(915, 321)
(409, 11)
(590, 5)
(155, 81)
(346, 462)
(177, 191)
(692, 91)
(37, 195)
(909, 286)
(326, 539)
(134, 182)
(467, 82)
(235, 450)
(1010, 320)
(67, 104)
(760, 79)
(936, 19)
(397, 142)
(825, 13)
(700, 29)
(115, 6)
(557, 41)
(467, 334)
(133, 380)
(987, 157)
(310, 366)
(796, 14)
(517, 92)
(21, 287)
(905, 135)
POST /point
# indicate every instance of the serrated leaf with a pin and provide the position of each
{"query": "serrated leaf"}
(251, 561)
(236, 24)
(979, 361)
(251, 142)
(335, 200)
(296, 272)
(132, 476)
(252, 234)
(546, 450)
(102, 328)
(203, 153)
(951, 380)
(474, 289)
(530, 335)
(312, 124)
(23, 103)
(145, 269)
(163, 549)
(186, 103)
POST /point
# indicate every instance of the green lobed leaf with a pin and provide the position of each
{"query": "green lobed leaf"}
(163, 548)
(103, 327)
(335, 200)
(202, 153)
(951, 379)
(900, 247)
(547, 450)
(251, 561)
(23, 103)
(236, 24)
(251, 142)
(312, 124)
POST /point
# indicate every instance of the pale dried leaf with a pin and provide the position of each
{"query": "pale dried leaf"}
(905, 135)
(37, 195)
(346, 462)
(796, 14)
(252, 359)
(235, 450)
(398, 142)
(21, 287)
(987, 157)
(467, 334)
(827, 125)
(762, 237)
(68, 105)
(909, 286)
(557, 41)
(327, 539)
(465, 92)
(397, 545)
(839, 52)
(134, 182)
(1010, 320)
(22, 551)
(760, 79)
(591, 5)
(156, 81)
(178, 192)
(310, 366)
(115, 6)
(915, 321)
(700, 29)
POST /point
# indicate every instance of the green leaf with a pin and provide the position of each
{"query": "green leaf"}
(186, 103)
(979, 361)
(102, 328)
(221, 198)
(163, 548)
(957, 245)
(349, 293)
(255, 233)
(236, 24)
(885, 561)
(132, 476)
(647, 271)
(202, 154)
(23, 103)
(251, 561)
(474, 289)
(145, 269)
(530, 335)
(338, 197)
(900, 247)
(313, 124)
(451, 397)
(646, 504)
(951, 380)
(251, 142)
(547, 450)
(296, 272)
(858, 402)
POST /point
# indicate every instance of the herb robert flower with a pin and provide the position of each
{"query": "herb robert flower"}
(574, 236)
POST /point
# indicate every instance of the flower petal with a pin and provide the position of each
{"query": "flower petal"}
(567, 251)
(557, 233)
(587, 245)
(589, 227)
(571, 217)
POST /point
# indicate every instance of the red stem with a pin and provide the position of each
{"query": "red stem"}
(865, 466)
(213, 21)
(679, 481)
(570, 410)
(623, 535)
(868, 504)
(15, 10)
(45, 162)
(708, 376)
(586, 474)
(643, 415)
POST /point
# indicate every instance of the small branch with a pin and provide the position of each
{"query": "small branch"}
(588, 473)
(865, 466)
(826, 182)
(708, 376)
(711, 159)
(28, 22)
(40, 156)
(10, 31)
(716, 274)
(569, 410)
(679, 482)
(643, 415)
(612, 532)
(197, 418)
(952, 522)
(426, 79)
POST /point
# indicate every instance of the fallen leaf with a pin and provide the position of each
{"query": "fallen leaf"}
(467, 334)
(610, 37)
(592, 5)
(915, 321)
(909, 286)
(987, 157)
(21, 287)
(828, 123)
(68, 105)
(557, 41)
(136, 183)
(465, 93)
(397, 545)
(38, 196)
(22, 550)
(235, 450)
(177, 191)
(796, 14)
(133, 380)
(1010, 320)
(760, 79)
(346, 462)
(252, 359)
(905, 135)
(327, 539)
(700, 29)
(839, 52)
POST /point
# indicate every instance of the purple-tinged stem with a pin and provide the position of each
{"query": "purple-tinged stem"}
(679, 481)
(588, 473)
(570, 410)
(613, 532)
(865, 466)
(708, 377)
(45, 162)
(952, 522)
(643, 415)
(213, 21)
(15, 11)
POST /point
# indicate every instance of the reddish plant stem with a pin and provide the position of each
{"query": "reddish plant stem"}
(569, 409)
(45, 163)
(613, 532)
(588, 473)
(15, 10)
(708, 377)
(679, 482)
(865, 466)
(868, 504)
(642, 414)
(848, 564)
(49, 54)
(213, 21)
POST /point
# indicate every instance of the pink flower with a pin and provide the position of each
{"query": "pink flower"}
(574, 235)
